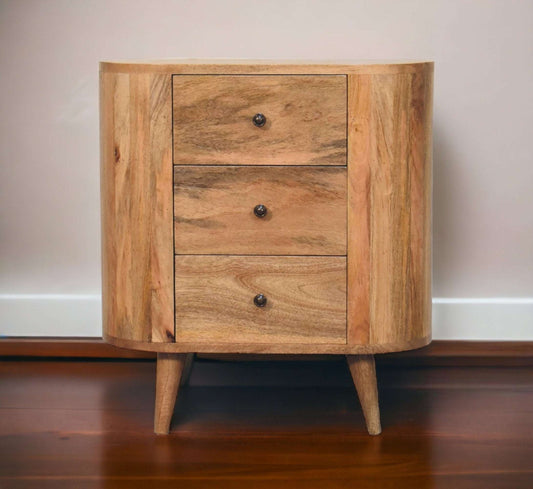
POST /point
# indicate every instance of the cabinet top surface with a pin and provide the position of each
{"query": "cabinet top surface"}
(254, 66)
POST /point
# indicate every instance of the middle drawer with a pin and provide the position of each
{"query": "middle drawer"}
(216, 210)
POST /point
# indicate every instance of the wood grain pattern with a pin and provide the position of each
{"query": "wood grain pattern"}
(136, 192)
(286, 348)
(170, 367)
(363, 370)
(65, 347)
(84, 425)
(401, 208)
(305, 120)
(358, 204)
(306, 299)
(388, 211)
(439, 354)
(389, 239)
(213, 210)
(258, 67)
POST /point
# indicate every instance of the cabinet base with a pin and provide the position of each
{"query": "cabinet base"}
(270, 348)
(173, 370)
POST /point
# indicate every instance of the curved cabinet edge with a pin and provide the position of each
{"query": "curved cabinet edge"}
(257, 67)
(389, 208)
(389, 157)
(268, 348)
(136, 206)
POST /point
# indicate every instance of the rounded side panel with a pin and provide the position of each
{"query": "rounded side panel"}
(389, 208)
(136, 206)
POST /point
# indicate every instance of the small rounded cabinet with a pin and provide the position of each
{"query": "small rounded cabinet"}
(343, 252)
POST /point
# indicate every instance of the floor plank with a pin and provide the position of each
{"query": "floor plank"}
(88, 424)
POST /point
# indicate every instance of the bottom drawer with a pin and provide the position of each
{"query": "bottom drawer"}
(305, 299)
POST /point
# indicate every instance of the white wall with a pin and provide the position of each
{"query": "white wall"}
(483, 126)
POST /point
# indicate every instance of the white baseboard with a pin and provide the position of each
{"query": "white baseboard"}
(497, 319)
(50, 315)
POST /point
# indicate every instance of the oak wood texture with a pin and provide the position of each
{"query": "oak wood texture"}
(87, 424)
(363, 371)
(389, 207)
(305, 119)
(214, 210)
(136, 193)
(306, 300)
(170, 367)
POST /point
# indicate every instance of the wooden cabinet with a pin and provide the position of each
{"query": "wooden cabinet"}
(266, 208)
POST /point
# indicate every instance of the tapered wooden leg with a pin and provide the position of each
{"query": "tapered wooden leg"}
(169, 370)
(187, 369)
(363, 370)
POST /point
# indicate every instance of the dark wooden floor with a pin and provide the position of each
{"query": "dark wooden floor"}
(85, 424)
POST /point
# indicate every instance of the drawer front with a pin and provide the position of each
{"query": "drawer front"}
(305, 119)
(305, 299)
(305, 210)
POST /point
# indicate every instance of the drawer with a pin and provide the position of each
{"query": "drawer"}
(305, 210)
(305, 119)
(305, 299)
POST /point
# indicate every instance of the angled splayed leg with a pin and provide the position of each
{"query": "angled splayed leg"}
(363, 370)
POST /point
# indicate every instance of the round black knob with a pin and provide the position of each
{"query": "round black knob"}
(259, 120)
(260, 300)
(260, 210)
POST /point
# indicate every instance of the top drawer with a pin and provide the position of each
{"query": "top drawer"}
(214, 119)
